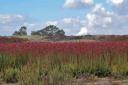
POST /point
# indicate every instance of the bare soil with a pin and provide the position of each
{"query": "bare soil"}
(83, 81)
(99, 81)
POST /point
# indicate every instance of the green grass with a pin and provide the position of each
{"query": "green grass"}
(54, 70)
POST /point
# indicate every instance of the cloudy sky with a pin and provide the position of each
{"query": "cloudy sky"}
(75, 17)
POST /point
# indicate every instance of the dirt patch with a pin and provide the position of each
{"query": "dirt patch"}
(82, 81)
(99, 81)
(2, 83)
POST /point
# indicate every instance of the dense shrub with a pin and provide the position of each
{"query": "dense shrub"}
(10, 75)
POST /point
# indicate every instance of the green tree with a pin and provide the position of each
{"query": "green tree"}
(50, 30)
(22, 31)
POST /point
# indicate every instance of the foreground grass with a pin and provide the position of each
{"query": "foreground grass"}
(55, 70)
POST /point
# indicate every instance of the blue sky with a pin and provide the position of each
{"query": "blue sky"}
(76, 17)
(42, 10)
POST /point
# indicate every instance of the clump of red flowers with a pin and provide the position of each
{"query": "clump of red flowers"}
(65, 48)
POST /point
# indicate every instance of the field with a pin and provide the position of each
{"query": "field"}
(58, 63)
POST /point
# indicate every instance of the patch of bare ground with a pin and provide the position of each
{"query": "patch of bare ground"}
(2, 83)
(86, 81)
(97, 81)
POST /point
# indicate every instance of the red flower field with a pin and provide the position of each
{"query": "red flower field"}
(27, 62)
(65, 48)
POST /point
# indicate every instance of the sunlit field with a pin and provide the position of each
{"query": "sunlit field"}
(63, 42)
(55, 63)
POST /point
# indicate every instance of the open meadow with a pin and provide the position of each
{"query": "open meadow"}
(58, 63)
(63, 42)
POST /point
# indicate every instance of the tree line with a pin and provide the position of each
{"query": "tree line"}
(50, 30)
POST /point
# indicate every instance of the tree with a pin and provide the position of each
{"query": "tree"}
(60, 32)
(50, 30)
(22, 31)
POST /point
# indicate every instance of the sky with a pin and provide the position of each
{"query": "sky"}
(75, 17)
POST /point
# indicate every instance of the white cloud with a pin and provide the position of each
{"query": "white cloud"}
(116, 2)
(108, 19)
(71, 20)
(83, 31)
(87, 1)
(6, 18)
(70, 4)
(98, 21)
(119, 6)
(70, 25)
(12, 22)
(121, 9)
(51, 23)
(101, 21)
(77, 3)
(67, 20)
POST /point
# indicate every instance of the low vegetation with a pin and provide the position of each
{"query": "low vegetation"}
(48, 63)
(12, 40)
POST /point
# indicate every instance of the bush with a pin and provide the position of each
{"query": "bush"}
(102, 72)
(10, 75)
